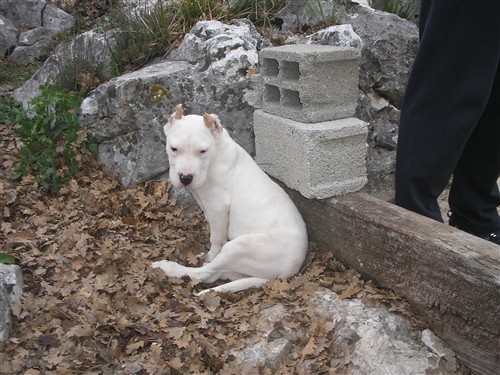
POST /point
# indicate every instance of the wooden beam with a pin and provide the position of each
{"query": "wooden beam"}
(450, 278)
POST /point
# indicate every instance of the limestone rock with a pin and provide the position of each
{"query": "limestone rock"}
(57, 20)
(370, 332)
(90, 49)
(30, 37)
(23, 14)
(383, 119)
(11, 288)
(5, 317)
(340, 35)
(268, 351)
(8, 35)
(125, 116)
(40, 22)
(207, 73)
(11, 278)
(373, 341)
(300, 14)
(390, 44)
(39, 50)
(389, 47)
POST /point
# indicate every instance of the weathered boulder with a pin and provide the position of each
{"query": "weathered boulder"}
(41, 22)
(223, 79)
(125, 116)
(30, 37)
(340, 35)
(266, 351)
(88, 52)
(208, 72)
(11, 288)
(390, 44)
(370, 331)
(383, 119)
(8, 35)
(37, 49)
(365, 340)
(57, 20)
(303, 14)
(23, 14)
(389, 47)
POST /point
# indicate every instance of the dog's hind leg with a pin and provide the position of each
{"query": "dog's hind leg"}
(173, 269)
(256, 257)
(236, 285)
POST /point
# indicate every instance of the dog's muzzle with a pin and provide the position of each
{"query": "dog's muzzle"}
(185, 179)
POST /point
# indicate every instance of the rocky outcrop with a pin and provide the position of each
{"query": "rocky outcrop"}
(87, 53)
(8, 35)
(210, 71)
(363, 341)
(11, 288)
(390, 44)
(36, 23)
(389, 47)
(222, 77)
(125, 116)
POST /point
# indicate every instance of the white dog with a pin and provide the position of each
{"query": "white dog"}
(256, 232)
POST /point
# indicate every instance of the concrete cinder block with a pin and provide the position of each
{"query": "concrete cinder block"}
(319, 160)
(310, 83)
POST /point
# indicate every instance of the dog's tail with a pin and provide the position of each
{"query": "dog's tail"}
(236, 285)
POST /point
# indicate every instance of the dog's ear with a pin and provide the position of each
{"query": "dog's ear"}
(212, 122)
(177, 115)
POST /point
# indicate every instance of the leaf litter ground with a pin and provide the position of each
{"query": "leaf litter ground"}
(92, 304)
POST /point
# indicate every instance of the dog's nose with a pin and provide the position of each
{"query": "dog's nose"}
(185, 179)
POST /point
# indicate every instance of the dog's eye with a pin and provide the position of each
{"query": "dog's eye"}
(174, 149)
(203, 151)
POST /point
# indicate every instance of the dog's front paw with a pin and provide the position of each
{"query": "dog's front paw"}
(166, 266)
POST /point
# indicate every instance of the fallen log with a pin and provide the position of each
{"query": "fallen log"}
(450, 278)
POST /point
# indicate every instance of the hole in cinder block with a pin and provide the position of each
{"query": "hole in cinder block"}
(271, 94)
(291, 99)
(290, 70)
(270, 67)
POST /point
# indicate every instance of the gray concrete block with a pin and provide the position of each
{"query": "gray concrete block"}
(319, 160)
(310, 83)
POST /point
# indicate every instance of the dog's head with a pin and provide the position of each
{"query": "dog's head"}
(191, 146)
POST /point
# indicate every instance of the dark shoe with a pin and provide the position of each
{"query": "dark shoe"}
(492, 237)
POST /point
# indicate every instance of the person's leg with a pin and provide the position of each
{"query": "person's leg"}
(474, 195)
(447, 91)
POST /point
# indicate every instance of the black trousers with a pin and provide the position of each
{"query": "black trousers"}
(450, 119)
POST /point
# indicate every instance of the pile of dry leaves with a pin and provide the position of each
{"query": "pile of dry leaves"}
(92, 303)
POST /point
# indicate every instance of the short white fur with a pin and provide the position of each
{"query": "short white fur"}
(256, 232)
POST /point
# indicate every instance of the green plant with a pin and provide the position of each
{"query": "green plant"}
(14, 75)
(259, 12)
(8, 109)
(6, 259)
(315, 9)
(142, 34)
(403, 9)
(79, 75)
(49, 134)
(190, 11)
(150, 32)
(323, 14)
